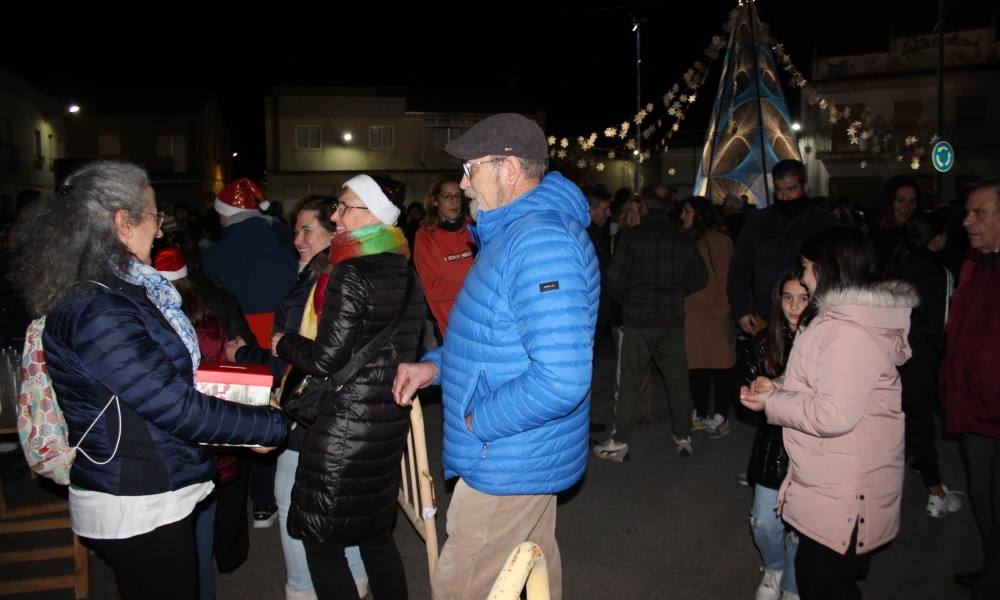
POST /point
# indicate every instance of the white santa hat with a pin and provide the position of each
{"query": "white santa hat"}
(374, 198)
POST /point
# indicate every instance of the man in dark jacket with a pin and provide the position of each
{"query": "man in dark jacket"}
(769, 244)
(970, 390)
(599, 202)
(654, 267)
(254, 263)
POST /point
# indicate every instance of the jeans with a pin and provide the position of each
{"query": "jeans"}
(204, 535)
(296, 568)
(777, 548)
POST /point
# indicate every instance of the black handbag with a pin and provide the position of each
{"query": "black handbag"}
(302, 404)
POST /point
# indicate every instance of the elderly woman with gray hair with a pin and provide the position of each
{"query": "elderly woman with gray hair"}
(122, 357)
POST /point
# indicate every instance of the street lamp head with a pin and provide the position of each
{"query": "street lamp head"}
(347, 136)
(74, 108)
(796, 126)
(235, 154)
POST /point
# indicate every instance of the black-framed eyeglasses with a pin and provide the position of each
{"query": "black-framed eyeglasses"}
(456, 197)
(467, 165)
(159, 217)
(341, 208)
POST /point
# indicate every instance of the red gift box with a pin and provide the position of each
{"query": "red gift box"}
(245, 384)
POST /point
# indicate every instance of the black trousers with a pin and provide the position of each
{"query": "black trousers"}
(919, 402)
(160, 564)
(332, 578)
(702, 382)
(232, 529)
(982, 462)
(823, 574)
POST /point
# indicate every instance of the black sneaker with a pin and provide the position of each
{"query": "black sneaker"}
(264, 515)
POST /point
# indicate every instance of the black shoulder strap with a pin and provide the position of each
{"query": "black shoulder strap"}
(363, 356)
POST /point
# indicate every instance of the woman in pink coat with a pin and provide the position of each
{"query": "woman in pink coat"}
(839, 403)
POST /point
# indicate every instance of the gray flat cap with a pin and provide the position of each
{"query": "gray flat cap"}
(504, 134)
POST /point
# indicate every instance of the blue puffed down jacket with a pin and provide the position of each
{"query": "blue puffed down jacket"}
(519, 349)
(101, 342)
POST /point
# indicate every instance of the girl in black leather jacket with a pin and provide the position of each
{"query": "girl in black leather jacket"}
(768, 460)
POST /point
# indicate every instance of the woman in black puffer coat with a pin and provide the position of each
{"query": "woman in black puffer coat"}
(348, 474)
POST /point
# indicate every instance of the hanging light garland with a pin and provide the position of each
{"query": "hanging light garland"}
(680, 96)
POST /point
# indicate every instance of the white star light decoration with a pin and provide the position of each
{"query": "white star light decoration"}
(552, 140)
(639, 117)
(561, 154)
(599, 166)
(582, 164)
(611, 155)
(915, 163)
(564, 143)
(610, 132)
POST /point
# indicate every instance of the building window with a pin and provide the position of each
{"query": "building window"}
(907, 113)
(109, 144)
(381, 137)
(308, 137)
(970, 111)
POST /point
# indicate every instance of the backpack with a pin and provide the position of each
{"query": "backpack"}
(41, 425)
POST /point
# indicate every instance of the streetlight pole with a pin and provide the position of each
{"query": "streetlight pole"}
(636, 28)
(939, 181)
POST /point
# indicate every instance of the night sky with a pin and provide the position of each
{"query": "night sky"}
(574, 61)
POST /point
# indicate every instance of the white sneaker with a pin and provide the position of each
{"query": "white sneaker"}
(682, 446)
(938, 507)
(612, 450)
(717, 426)
(770, 585)
(789, 595)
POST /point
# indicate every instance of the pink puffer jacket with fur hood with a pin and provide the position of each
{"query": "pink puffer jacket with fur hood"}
(839, 403)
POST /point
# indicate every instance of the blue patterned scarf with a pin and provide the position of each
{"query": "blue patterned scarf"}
(165, 296)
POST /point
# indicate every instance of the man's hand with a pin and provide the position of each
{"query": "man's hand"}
(409, 378)
(232, 346)
(468, 422)
(751, 324)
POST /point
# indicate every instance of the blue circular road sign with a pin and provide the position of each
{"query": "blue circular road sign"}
(943, 156)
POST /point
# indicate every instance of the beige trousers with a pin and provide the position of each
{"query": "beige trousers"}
(482, 531)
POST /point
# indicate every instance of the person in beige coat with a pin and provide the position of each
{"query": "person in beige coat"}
(709, 332)
(839, 403)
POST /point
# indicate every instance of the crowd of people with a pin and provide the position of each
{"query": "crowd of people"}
(825, 327)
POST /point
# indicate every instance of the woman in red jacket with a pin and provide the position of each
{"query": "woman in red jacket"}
(443, 250)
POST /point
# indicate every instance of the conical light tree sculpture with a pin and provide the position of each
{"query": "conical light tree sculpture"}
(750, 128)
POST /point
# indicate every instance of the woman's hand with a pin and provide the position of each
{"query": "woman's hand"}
(751, 400)
(232, 346)
(762, 385)
(274, 343)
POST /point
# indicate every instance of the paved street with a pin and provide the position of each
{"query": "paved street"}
(655, 527)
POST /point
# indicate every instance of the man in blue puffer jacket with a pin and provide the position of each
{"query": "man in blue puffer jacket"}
(515, 367)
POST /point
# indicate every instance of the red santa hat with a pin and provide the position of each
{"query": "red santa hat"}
(170, 263)
(240, 195)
